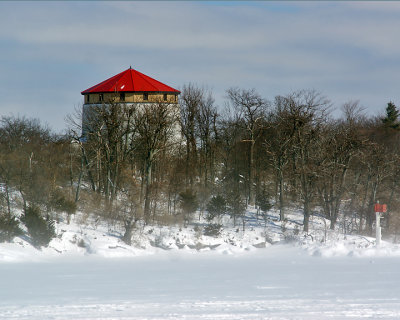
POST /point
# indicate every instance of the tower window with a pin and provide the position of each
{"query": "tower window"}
(87, 98)
(122, 96)
(145, 96)
(165, 97)
(101, 97)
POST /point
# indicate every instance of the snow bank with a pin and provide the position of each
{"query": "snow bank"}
(355, 246)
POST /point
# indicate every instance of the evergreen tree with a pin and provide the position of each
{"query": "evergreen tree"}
(262, 200)
(40, 230)
(189, 203)
(216, 207)
(392, 114)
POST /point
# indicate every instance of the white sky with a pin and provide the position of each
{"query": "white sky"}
(51, 51)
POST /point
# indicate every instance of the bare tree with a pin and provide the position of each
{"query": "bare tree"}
(190, 100)
(105, 143)
(206, 118)
(305, 113)
(157, 129)
(341, 143)
(32, 162)
(250, 108)
(278, 142)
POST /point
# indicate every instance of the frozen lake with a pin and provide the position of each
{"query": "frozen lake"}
(275, 283)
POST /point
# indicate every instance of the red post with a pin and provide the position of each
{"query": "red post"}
(380, 207)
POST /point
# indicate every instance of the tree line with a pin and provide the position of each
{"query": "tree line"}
(161, 163)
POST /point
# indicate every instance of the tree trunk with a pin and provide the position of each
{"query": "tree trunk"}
(333, 223)
(78, 187)
(281, 203)
(251, 180)
(129, 225)
(88, 169)
(8, 199)
(147, 180)
(306, 219)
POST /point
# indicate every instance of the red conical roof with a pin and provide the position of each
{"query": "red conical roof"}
(130, 81)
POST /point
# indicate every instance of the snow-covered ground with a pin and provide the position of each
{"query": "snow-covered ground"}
(179, 273)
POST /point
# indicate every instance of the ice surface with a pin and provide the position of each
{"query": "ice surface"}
(176, 272)
(279, 282)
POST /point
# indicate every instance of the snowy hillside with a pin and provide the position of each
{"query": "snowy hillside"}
(87, 237)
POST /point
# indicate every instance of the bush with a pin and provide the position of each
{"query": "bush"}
(81, 243)
(9, 228)
(213, 230)
(40, 230)
(216, 207)
(60, 203)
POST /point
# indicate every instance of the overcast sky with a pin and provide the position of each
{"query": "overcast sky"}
(51, 51)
